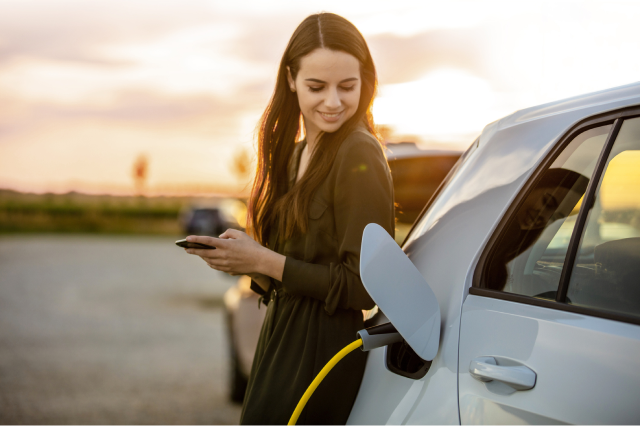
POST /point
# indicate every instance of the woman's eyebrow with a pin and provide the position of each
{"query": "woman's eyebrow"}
(315, 80)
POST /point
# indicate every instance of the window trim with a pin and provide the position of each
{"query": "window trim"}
(616, 119)
(551, 304)
(586, 206)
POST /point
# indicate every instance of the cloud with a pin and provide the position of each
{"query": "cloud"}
(400, 59)
(67, 30)
(129, 35)
(202, 113)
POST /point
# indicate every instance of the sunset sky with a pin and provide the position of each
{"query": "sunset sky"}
(86, 87)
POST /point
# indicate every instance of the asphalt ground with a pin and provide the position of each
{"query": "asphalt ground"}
(110, 330)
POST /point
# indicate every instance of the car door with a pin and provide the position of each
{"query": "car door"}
(550, 328)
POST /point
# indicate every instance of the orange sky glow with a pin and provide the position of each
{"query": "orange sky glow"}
(88, 87)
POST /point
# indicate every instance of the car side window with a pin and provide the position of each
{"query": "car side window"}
(528, 257)
(606, 268)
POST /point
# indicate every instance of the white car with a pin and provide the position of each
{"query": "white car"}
(520, 300)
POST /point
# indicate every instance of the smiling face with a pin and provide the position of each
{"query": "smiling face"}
(328, 86)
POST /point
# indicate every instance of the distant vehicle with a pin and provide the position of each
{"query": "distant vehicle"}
(530, 251)
(416, 174)
(204, 221)
(212, 218)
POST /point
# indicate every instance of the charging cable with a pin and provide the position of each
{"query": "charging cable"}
(368, 339)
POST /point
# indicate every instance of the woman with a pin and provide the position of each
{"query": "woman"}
(310, 202)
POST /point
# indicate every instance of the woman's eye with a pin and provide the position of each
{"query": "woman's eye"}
(347, 89)
(315, 89)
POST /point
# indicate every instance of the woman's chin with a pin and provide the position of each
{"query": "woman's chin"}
(331, 127)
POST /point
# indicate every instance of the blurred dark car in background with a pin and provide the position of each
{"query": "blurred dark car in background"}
(416, 174)
(204, 221)
(213, 217)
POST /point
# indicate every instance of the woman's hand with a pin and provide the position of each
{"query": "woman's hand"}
(238, 254)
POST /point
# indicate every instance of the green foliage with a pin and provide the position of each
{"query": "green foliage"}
(84, 213)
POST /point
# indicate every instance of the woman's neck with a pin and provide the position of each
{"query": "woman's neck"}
(312, 139)
(311, 136)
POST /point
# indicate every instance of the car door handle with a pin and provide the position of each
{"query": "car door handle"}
(486, 369)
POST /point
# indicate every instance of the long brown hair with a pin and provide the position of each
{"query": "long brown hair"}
(271, 203)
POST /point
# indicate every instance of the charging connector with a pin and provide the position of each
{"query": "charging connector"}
(378, 336)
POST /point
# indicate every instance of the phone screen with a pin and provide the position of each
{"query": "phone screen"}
(187, 244)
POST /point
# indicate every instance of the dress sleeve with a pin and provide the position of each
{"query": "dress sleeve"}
(257, 289)
(363, 194)
(264, 295)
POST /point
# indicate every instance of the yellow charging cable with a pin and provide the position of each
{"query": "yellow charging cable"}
(319, 378)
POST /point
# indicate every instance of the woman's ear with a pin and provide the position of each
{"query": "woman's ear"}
(290, 80)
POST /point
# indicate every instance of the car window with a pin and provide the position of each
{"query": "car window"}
(528, 257)
(606, 269)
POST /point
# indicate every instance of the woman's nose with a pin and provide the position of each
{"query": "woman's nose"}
(332, 100)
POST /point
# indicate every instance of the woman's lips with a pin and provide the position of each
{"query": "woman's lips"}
(331, 117)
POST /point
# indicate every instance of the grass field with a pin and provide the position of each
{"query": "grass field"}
(83, 213)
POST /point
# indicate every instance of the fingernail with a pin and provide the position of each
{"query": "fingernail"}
(189, 238)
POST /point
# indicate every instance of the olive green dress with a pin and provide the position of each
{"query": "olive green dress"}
(317, 308)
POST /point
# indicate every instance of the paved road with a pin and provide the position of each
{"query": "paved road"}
(110, 330)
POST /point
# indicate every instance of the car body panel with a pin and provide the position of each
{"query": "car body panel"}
(569, 352)
(386, 388)
(446, 242)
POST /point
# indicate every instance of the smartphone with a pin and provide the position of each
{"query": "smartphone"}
(187, 244)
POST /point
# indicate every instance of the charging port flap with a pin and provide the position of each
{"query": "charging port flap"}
(400, 291)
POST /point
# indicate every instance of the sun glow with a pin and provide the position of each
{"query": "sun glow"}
(88, 86)
(444, 102)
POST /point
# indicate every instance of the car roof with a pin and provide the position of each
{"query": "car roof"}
(627, 94)
(403, 150)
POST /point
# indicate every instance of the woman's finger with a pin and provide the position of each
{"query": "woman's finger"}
(233, 234)
(205, 253)
(209, 263)
(221, 269)
(218, 263)
(215, 265)
(225, 266)
(210, 241)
